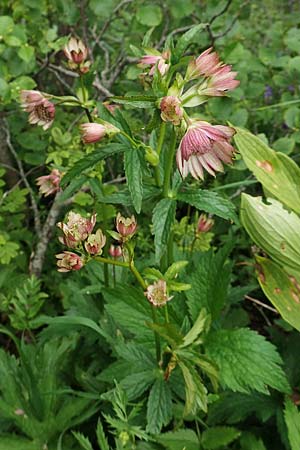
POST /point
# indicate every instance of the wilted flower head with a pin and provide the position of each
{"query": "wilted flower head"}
(204, 146)
(115, 251)
(77, 229)
(75, 51)
(171, 110)
(126, 227)
(93, 132)
(95, 243)
(205, 224)
(221, 81)
(156, 60)
(205, 65)
(49, 184)
(157, 293)
(41, 110)
(68, 261)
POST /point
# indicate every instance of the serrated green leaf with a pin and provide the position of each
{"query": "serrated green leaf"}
(234, 407)
(250, 442)
(101, 438)
(273, 229)
(175, 268)
(292, 420)
(26, 52)
(90, 160)
(179, 440)
(197, 328)
(17, 443)
(246, 361)
(210, 202)
(195, 391)
(169, 332)
(280, 289)
(159, 406)
(74, 186)
(278, 173)
(137, 383)
(82, 440)
(163, 220)
(206, 292)
(134, 177)
(216, 437)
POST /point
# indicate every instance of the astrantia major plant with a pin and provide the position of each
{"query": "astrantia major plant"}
(162, 311)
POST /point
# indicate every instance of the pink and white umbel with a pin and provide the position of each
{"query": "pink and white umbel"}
(156, 60)
(68, 261)
(49, 184)
(41, 110)
(157, 293)
(76, 230)
(204, 147)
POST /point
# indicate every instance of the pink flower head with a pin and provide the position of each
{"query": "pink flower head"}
(41, 110)
(49, 184)
(220, 82)
(157, 293)
(95, 243)
(204, 224)
(76, 230)
(126, 227)
(205, 65)
(115, 251)
(204, 146)
(159, 61)
(93, 132)
(75, 51)
(68, 261)
(171, 110)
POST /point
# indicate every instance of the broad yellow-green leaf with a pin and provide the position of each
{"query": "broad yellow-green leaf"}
(274, 229)
(278, 173)
(282, 290)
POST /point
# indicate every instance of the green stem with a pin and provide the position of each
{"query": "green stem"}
(166, 313)
(137, 275)
(156, 336)
(88, 114)
(111, 261)
(160, 142)
(169, 165)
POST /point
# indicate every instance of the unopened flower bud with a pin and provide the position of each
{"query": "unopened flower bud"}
(68, 261)
(75, 51)
(151, 156)
(93, 132)
(19, 412)
(49, 184)
(204, 224)
(115, 251)
(171, 110)
(157, 293)
(126, 227)
(95, 243)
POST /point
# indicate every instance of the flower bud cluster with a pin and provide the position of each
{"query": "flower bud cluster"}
(77, 235)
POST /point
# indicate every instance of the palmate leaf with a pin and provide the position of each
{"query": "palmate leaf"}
(278, 173)
(246, 361)
(195, 391)
(163, 220)
(206, 292)
(133, 171)
(292, 420)
(101, 438)
(159, 406)
(216, 437)
(89, 161)
(210, 202)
